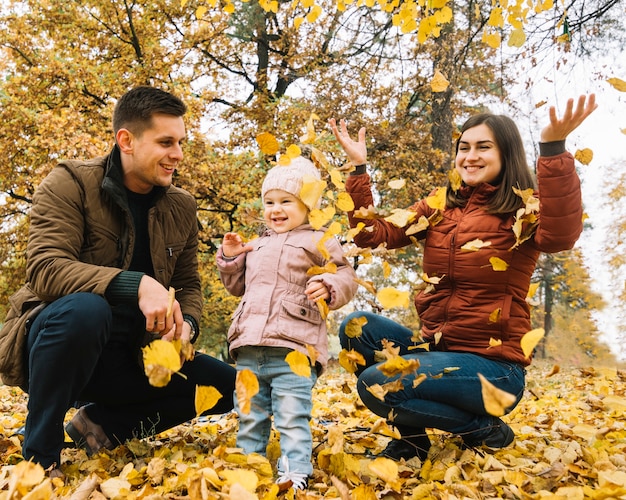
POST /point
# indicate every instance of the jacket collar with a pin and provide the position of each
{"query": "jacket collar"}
(113, 181)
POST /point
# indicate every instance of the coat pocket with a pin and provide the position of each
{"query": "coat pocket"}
(301, 323)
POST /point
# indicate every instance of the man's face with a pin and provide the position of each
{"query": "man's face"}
(150, 159)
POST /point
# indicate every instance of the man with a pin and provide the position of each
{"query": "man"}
(108, 238)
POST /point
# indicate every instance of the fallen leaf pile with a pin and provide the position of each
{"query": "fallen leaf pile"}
(570, 444)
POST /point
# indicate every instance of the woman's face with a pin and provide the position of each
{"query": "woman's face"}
(478, 157)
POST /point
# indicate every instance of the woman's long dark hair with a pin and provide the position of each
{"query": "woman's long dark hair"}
(515, 171)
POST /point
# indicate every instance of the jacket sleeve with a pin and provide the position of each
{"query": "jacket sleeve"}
(377, 231)
(560, 202)
(341, 284)
(232, 272)
(56, 234)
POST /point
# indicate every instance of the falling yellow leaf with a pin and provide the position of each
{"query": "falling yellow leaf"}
(437, 200)
(390, 298)
(396, 183)
(313, 354)
(311, 191)
(532, 289)
(400, 217)
(160, 359)
(496, 401)
(267, 143)
(206, 398)
(299, 363)
(530, 340)
(475, 245)
(344, 202)
(494, 343)
(354, 231)
(584, 156)
(455, 179)
(330, 267)
(368, 285)
(246, 387)
(310, 135)
(398, 365)
(421, 225)
(498, 264)
(354, 326)
(494, 317)
(318, 218)
(438, 337)
(350, 359)
(386, 269)
(323, 308)
(618, 84)
(439, 83)
(337, 178)
(419, 379)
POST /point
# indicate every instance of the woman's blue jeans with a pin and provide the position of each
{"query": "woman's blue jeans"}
(449, 399)
(283, 394)
(73, 356)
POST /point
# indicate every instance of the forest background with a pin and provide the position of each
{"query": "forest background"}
(409, 71)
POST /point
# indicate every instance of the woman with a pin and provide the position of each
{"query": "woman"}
(474, 313)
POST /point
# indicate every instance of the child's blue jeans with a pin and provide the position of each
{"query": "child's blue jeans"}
(283, 394)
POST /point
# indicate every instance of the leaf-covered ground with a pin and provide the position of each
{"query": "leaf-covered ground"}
(570, 444)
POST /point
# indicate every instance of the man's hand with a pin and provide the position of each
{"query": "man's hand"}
(154, 301)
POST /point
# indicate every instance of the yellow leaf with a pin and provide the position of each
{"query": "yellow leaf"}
(390, 298)
(530, 340)
(246, 387)
(322, 305)
(517, 38)
(386, 269)
(494, 317)
(160, 359)
(310, 135)
(349, 359)
(437, 201)
(400, 217)
(498, 264)
(354, 231)
(336, 178)
(421, 225)
(439, 83)
(396, 183)
(494, 342)
(245, 478)
(495, 18)
(455, 179)
(398, 365)
(268, 143)
(299, 363)
(584, 156)
(313, 354)
(387, 470)
(206, 398)
(297, 22)
(311, 191)
(344, 202)
(200, 11)
(354, 326)
(318, 218)
(475, 245)
(293, 151)
(532, 289)
(492, 39)
(368, 285)
(618, 84)
(330, 267)
(496, 401)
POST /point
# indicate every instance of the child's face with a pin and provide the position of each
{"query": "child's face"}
(283, 211)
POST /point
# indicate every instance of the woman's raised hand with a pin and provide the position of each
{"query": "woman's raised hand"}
(356, 150)
(559, 128)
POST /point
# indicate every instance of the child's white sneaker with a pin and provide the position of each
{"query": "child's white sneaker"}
(290, 479)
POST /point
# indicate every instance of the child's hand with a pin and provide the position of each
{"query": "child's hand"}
(317, 290)
(233, 245)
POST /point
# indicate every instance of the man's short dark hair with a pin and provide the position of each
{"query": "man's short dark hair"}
(134, 110)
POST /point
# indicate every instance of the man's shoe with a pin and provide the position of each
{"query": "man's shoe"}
(407, 448)
(87, 434)
(499, 436)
